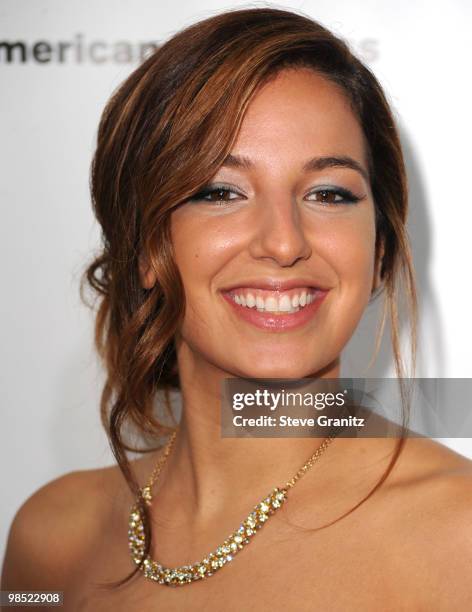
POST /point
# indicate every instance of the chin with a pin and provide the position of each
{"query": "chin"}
(284, 369)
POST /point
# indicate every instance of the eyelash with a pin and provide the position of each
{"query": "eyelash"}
(347, 196)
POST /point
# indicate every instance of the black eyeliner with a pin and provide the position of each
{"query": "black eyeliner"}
(209, 189)
(347, 195)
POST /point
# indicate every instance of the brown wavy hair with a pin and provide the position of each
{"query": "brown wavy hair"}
(162, 136)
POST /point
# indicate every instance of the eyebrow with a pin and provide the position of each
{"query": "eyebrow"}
(315, 163)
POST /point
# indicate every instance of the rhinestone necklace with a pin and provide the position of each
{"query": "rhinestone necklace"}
(236, 541)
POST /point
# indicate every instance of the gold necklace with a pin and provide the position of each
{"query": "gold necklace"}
(217, 559)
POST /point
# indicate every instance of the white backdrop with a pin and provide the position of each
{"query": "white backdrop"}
(50, 106)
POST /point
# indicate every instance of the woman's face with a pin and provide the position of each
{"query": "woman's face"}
(277, 255)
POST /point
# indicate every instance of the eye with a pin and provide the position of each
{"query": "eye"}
(216, 193)
(333, 196)
(327, 196)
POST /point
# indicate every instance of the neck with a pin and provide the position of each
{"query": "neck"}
(213, 470)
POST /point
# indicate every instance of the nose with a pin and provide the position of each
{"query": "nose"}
(279, 233)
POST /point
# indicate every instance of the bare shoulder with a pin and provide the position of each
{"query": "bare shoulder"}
(430, 466)
(51, 529)
(433, 525)
(56, 528)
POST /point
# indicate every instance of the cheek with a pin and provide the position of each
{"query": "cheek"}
(202, 246)
(351, 252)
(347, 245)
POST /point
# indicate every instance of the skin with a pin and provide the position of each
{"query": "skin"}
(410, 545)
(275, 225)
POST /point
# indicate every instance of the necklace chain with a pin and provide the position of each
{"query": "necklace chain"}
(233, 544)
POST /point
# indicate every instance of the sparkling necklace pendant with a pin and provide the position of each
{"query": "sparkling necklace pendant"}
(214, 561)
(236, 541)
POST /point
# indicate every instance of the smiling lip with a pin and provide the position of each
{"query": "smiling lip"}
(274, 284)
(305, 308)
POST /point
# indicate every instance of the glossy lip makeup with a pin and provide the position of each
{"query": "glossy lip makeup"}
(275, 305)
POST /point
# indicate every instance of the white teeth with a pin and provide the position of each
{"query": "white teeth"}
(285, 304)
(250, 300)
(270, 304)
(275, 303)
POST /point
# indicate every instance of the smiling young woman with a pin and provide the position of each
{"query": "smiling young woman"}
(250, 185)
